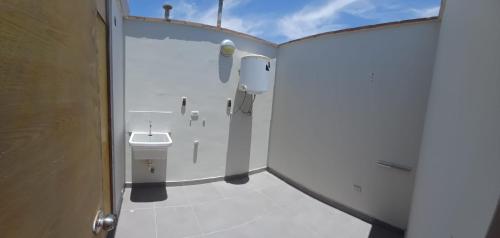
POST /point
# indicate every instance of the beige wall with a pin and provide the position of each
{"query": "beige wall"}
(344, 101)
(458, 179)
(165, 62)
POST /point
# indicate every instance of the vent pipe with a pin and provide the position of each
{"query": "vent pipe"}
(219, 13)
(167, 8)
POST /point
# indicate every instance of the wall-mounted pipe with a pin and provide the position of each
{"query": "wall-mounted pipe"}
(196, 143)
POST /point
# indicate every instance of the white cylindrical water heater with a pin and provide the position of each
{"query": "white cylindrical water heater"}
(255, 74)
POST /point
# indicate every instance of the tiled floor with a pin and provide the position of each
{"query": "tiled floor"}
(263, 207)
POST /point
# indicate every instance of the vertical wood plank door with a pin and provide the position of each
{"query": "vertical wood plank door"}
(102, 74)
(51, 167)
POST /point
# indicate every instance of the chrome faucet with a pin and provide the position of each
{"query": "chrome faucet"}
(150, 125)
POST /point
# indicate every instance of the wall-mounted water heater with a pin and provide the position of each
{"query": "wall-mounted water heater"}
(255, 74)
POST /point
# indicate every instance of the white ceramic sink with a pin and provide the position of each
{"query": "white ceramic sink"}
(147, 146)
(144, 139)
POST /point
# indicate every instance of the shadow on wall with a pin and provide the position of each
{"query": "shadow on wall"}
(225, 65)
(240, 135)
(162, 31)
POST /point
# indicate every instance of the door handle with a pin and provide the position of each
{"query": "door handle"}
(103, 222)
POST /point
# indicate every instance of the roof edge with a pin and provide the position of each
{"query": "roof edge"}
(203, 26)
(362, 28)
(260, 40)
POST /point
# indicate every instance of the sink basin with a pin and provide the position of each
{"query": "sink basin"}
(143, 139)
(149, 147)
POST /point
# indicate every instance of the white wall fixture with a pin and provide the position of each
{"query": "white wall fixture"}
(227, 48)
(147, 166)
(195, 115)
(255, 74)
(149, 146)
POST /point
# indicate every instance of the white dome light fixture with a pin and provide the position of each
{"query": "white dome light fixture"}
(227, 48)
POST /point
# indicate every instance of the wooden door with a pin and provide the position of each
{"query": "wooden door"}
(51, 139)
(103, 77)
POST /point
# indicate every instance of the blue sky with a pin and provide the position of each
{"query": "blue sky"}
(282, 20)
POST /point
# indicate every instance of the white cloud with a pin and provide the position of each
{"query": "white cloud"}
(189, 11)
(362, 8)
(184, 10)
(427, 12)
(381, 10)
(313, 19)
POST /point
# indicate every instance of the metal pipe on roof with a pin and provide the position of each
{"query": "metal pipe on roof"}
(167, 8)
(219, 14)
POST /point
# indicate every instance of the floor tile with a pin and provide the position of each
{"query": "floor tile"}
(327, 221)
(283, 194)
(175, 197)
(228, 190)
(236, 232)
(263, 180)
(130, 200)
(227, 213)
(278, 225)
(136, 223)
(262, 207)
(270, 225)
(201, 193)
(176, 222)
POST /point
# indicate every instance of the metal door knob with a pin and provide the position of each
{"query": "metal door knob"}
(103, 222)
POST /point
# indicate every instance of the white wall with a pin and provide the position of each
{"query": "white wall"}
(332, 120)
(167, 61)
(117, 100)
(458, 179)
